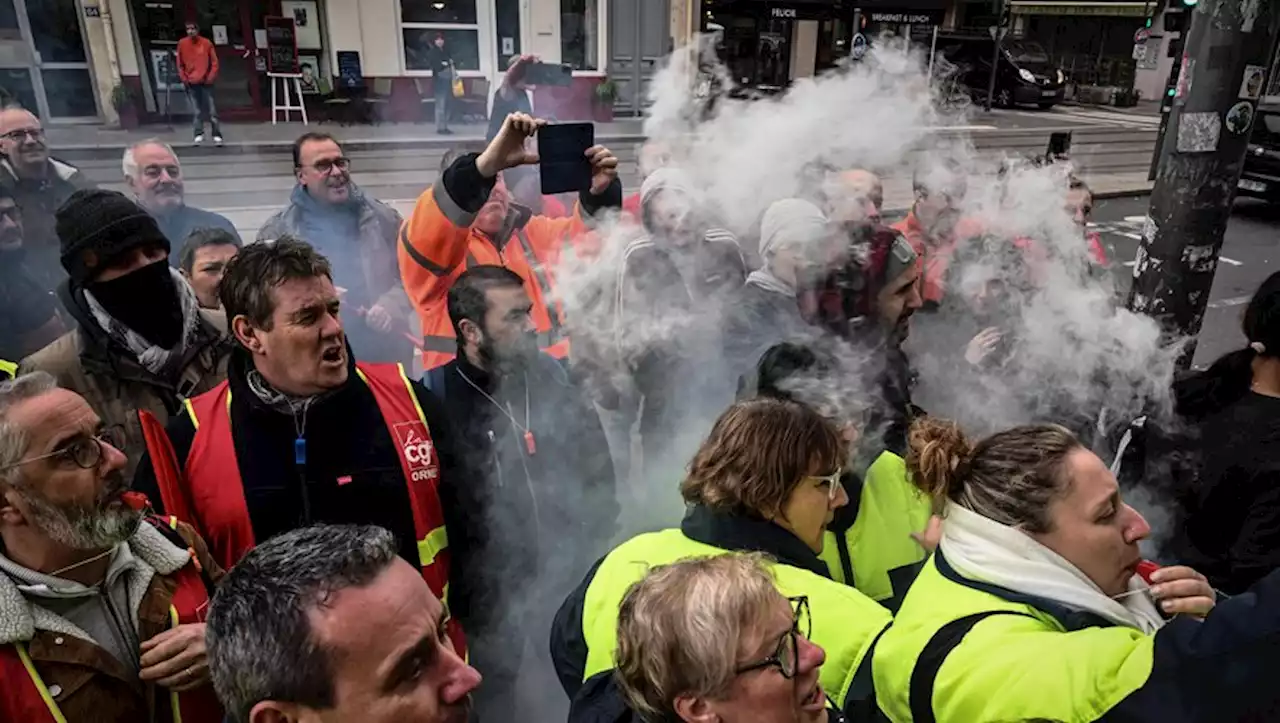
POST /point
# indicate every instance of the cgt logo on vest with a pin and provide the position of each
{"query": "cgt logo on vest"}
(418, 451)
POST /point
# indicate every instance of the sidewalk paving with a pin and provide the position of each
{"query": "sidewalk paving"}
(257, 135)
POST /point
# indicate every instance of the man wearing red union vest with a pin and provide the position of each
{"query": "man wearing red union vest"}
(301, 433)
(102, 609)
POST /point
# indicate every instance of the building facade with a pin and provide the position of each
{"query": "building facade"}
(75, 60)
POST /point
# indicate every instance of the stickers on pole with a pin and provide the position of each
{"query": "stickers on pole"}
(1240, 117)
(1251, 84)
(1199, 132)
(859, 46)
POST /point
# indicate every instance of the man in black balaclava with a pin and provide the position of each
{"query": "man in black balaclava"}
(143, 342)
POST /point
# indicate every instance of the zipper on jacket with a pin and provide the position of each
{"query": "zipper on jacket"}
(130, 637)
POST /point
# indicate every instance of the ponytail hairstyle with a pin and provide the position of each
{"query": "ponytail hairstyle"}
(1229, 378)
(1010, 477)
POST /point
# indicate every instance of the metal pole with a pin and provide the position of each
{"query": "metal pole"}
(995, 58)
(1209, 129)
(933, 48)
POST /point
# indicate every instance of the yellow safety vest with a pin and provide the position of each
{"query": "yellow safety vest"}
(844, 622)
(890, 508)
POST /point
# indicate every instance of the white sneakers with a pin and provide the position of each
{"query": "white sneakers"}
(199, 138)
(217, 140)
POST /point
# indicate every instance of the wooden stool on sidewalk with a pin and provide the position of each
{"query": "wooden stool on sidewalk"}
(280, 85)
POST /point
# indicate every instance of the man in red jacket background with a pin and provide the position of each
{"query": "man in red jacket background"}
(198, 69)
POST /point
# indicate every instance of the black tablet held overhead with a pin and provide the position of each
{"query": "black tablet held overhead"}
(562, 159)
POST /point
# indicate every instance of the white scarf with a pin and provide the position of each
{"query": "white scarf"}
(984, 550)
(151, 357)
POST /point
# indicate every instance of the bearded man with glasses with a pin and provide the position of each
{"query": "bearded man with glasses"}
(357, 233)
(102, 606)
(39, 184)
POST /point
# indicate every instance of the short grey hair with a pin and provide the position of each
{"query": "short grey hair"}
(130, 165)
(682, 628)
(259, 638)
(14, 439)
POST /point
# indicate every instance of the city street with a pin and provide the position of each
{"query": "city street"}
(1248, 254)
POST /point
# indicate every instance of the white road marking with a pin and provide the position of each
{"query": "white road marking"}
(1126, 234)
(1233, 301)
(1233, 262)
(1135, 219)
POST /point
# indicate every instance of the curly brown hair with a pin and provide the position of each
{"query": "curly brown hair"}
(756, 454)
(1010, 477)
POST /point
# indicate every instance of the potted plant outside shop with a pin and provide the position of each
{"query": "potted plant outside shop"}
(126, 107)
(605, 95)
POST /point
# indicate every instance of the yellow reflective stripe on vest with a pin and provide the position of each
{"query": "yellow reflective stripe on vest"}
(39, 683)
(431, 545)
(174, 703)
(191, 412)
(8, 368)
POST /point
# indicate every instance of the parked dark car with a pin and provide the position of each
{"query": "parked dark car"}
(1026, 75)
(1261, 177)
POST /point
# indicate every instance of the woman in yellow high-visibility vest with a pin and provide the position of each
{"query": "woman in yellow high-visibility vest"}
(1033, 608)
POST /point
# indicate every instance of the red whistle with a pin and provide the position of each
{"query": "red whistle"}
(1146, 569)
(135, 500)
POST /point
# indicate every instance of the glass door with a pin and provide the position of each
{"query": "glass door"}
(63, 85)
(229, 24)
(16, 61)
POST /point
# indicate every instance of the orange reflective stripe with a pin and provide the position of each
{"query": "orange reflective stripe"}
(39, 683)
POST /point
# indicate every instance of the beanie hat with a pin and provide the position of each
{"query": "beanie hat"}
(668, 179)
(791, 221)
(97, 226)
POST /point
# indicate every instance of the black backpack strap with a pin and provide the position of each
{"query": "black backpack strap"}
(860, 701)
(934, 655)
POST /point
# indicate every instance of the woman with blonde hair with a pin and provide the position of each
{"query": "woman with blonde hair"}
(765, 480)
(713, 639)
(1032, 607)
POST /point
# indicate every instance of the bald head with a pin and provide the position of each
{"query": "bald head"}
(22, 141)
(854, 196)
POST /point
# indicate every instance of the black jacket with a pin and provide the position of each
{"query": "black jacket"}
(598, 700)
(540, 517)
(39, 199)
(1231, 531)
(759, 319)
(346, 439)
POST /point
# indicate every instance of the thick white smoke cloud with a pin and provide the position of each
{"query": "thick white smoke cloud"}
(1073, 352)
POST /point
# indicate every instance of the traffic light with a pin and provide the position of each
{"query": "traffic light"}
(1148, 23)
(1189, 3)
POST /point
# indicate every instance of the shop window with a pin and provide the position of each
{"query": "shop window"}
(580, 34)
(422, 20)
(70, 93)
(451, 12)
(55, 27)
(463, 46)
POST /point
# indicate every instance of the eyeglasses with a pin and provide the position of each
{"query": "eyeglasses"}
(154, 172)
(83, 452)
(832, 481)
(786, 657)
(327, 165)
(21, 134)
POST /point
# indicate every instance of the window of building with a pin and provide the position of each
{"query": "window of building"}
(422, 20)
(580, 34)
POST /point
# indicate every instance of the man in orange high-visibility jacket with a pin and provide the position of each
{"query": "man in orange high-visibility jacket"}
(935, 225)
(467, 219)
(301, 433)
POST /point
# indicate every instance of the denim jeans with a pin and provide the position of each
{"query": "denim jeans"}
(444, 97)
(202, 109)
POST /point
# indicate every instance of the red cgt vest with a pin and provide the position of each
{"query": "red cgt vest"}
(26, 698)
(208, 491)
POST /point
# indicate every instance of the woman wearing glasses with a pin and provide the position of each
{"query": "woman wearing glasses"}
(740, 654)
(1038, 606)
(765, 480)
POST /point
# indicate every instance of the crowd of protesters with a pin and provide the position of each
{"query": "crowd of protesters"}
(225, 494)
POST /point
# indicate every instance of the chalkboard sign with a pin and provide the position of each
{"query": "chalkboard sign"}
(350, 76)
(282, 45)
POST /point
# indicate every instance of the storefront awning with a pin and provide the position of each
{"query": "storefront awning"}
(1070, 7)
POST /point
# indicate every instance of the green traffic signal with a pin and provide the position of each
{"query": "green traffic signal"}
(1148, 25)
(1190, 3)
(1170, 92)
